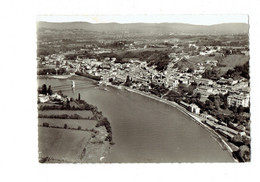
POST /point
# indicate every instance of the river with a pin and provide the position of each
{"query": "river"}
(145, 130)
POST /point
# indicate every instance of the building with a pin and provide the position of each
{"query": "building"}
(185, 105)
(190, 107)
(238, 100)
(195, 109)
(172, 82)
(43, 98)
(205, 91)
(204, 81)
(212, 62)
(228, 81)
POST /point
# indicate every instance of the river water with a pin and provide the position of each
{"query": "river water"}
(145, 130)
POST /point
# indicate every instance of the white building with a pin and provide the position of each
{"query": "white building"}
(238, 100)
(212, 62)
(194, 108)
(204, 81)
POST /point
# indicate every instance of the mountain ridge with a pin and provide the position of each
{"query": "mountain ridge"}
(178, 28)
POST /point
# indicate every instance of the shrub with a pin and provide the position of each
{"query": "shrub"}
(45, 124)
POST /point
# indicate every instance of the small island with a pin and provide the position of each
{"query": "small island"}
(70, 130)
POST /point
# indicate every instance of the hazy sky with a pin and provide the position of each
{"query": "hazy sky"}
(191, 19)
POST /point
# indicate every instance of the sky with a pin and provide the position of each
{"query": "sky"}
(190, 19)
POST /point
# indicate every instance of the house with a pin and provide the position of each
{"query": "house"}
(222, 91)
(199, 71)
(204, 81)
(43, 98)
(212, 62)
(184, 81)
(172, 82)
(194, 108)
(190, 107)
(228, 81)
(204, 115)
(205, 91)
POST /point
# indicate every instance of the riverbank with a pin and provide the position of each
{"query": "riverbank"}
(218, 138)
(87, 75)
(54, 76)
(74, 124)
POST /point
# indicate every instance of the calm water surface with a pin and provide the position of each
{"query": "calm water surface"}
(145, 130)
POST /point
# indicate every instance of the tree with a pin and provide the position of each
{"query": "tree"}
(223, 106)
(198, 95)
(128, 81)
(233, 109)
(190, 70)
(44, 89)
(49, 91)
(212, 74)
(217, 104)
(240, 109)
(211, 97)
(45, 124)
(110, 79)
(210, 104)
(244, 152)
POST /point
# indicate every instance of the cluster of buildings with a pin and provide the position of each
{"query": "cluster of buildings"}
(142, 75)
(54, 98)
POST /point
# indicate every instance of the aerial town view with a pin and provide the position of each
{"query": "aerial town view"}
(143, 92)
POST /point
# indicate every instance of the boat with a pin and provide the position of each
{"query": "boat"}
(72, 84)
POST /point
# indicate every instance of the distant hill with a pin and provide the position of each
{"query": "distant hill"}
(151, 28)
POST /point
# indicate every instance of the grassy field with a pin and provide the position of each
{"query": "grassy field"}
(71, 123)
(202, 59)
(139, 50)
(231, 61)
(62, 144)
(83, 113)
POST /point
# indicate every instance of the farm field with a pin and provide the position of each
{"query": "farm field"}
(231, 61)
(202, 59)
(83, 113)
(71, 123)
(62, 144)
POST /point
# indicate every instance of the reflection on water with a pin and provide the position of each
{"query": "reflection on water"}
(145, 130)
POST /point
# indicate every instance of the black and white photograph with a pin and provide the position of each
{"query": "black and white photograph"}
(129, 90)
(153, 90)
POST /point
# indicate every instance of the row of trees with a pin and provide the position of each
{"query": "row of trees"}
(64, 116)
(52, 71)
(43, 90)
(158, 90)
(239, 71)
(65, 127)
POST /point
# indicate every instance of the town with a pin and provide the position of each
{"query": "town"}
(210, 79)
